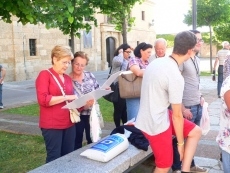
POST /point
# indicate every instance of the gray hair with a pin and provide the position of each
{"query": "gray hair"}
(160, 40)
(225, 43)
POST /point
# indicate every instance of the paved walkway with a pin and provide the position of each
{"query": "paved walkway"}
(207, 154)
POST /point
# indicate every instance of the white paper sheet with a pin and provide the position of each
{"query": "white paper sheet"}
(110, 80)
(81, 101)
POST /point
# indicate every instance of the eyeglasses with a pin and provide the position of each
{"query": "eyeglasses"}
(66, 62)
(200, 41)
(128, 52)
(79, 65)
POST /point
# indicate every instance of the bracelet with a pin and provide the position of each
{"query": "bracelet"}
(180, 144)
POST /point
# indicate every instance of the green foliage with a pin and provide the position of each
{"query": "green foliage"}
(21, 153)
(209, 13)
(119, 13)
(222, 31)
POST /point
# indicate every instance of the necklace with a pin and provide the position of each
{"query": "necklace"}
(174, 59)
(195, 65)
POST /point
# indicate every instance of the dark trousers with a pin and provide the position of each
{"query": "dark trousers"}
(220, 79)
(120, 113)
(196, 111)
(59, 142)
(82, 126)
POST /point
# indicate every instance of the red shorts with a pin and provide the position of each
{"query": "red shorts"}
(161, 144)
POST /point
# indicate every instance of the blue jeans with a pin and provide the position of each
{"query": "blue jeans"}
(1, 104)
(82, 126)
(220, 79)
(226, 161)
(133, 105)
(59, 142)
(197, 114)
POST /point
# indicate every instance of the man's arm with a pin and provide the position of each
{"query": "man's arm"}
(178, 123)
(3, 74)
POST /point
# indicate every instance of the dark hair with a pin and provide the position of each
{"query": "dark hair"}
(143, 46)
(183, 42)
(194, 31)
(123, 46)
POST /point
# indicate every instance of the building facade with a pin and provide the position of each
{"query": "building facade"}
(25, 49)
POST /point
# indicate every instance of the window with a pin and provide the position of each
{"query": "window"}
(32, 44)
(87, 19)
(143, 15)
(70, 45)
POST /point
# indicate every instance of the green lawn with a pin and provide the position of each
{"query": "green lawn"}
(20, 153)
(33, 110)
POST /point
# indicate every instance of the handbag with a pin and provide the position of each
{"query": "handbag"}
(129, 85)
(114, 96)
(74, 114)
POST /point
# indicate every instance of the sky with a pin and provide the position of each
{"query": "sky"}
(169, 16)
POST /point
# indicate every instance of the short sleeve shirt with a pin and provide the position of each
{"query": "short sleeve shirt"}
(221, 55)
(223, 138)
(162, 85)
(137, 61)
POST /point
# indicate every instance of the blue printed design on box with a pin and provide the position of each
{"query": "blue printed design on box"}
(108, 143)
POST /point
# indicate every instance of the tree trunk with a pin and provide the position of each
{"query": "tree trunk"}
(124, 30)
(210, 31)
(72, 41)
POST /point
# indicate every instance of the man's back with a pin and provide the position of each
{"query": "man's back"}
(161, 82)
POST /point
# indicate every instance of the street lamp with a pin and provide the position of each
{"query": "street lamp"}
(194, 15)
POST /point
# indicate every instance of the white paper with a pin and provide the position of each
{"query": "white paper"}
(81, 101)
(110, 80)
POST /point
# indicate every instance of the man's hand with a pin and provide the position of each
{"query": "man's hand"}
(187, 114)
(202, 101)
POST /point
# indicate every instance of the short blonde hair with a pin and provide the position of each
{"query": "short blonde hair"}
(60, 52)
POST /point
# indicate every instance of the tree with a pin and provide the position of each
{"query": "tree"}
(69, 16)
(209, 13)
(119, 13)
(222, 31)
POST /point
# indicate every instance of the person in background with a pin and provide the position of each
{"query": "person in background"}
(192, 104)
(220, 57)
(120, 63)
(226, 68)
(223, 138)
(137, 65)
(160, 46)
(163, 85)
(57, 129)
(2, 76)
(83, 82)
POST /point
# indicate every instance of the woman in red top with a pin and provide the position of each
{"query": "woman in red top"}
(57, 129)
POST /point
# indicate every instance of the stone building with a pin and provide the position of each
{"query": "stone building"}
(25, 49)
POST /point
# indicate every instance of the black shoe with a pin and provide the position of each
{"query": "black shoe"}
(219, 96)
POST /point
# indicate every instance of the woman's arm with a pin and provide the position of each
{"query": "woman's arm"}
(227, 99)
(136, 70)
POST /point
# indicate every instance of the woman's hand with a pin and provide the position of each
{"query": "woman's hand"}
(181, 151)
(89, 104)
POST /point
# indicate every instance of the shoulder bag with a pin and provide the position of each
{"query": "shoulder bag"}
(74, 114)
(129, 85)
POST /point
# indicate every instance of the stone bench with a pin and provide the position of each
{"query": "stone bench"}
(73, 162)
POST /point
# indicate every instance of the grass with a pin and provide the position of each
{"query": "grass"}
(33, 110)
(205, 73)
(20, 153)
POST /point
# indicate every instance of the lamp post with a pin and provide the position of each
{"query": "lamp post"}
(194, 16)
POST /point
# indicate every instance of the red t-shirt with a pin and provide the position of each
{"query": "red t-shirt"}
(53, 117)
